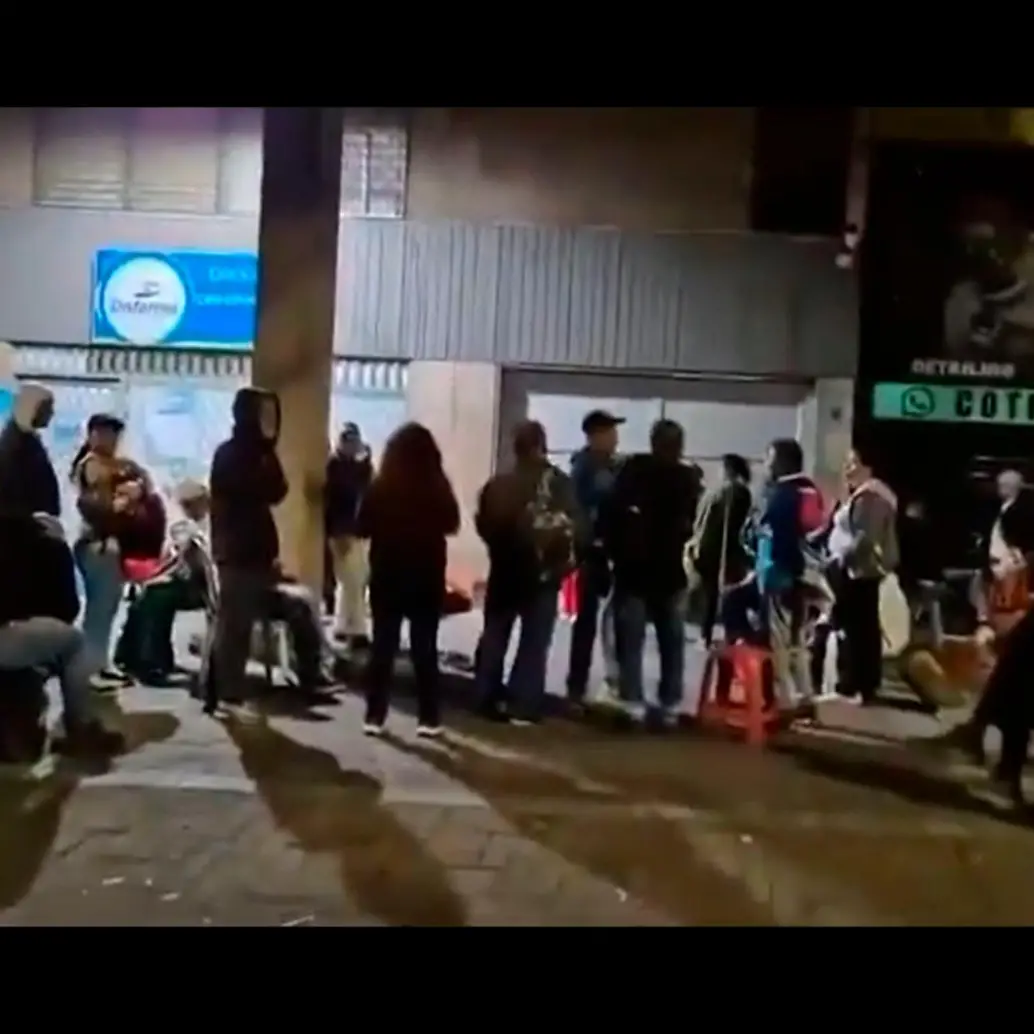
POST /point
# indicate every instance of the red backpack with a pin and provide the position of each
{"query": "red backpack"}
(811, 514)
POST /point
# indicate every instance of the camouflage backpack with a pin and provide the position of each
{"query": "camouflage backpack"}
(552, 530)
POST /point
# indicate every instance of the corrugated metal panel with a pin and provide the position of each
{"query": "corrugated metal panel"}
(173, 160)
(715, 303)
(81, 157)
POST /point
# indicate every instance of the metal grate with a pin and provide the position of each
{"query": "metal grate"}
(373, 170)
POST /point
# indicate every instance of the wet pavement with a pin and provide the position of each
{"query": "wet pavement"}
(299, 820)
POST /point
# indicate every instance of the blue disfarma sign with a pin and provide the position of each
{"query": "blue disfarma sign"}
(189, 299)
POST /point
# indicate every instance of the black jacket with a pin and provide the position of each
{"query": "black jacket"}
(348, 478)
(647, 524)
(246, 482)
(725, 517)
(28, 483)
(39, 573)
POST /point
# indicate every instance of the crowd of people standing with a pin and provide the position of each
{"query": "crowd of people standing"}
(640, 533)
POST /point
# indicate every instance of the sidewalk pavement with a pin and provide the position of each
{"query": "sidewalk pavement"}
(302, 821)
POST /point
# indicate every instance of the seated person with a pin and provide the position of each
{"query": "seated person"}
(38, 603)
(185, 580)
(178, 582)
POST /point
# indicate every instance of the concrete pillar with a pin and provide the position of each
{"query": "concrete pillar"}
(824, 422)
(459, 404)
(298, 231)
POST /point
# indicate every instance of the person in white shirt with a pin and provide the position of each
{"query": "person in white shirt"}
(1003, 584)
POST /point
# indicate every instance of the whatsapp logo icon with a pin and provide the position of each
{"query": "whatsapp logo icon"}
(917, 403)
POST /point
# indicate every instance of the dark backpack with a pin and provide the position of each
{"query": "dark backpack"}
(551, 529)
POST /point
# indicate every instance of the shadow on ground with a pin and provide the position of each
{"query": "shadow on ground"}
(592, 827)
(384, 869)
(31, 808)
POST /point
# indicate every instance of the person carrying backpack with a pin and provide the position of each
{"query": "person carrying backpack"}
(530, 521)
(792, 511)
(646, 525)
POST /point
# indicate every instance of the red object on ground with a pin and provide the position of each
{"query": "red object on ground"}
(736, 692)
(569, 596)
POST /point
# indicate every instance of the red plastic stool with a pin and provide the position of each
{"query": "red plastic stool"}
(570, 597)
(737, 692)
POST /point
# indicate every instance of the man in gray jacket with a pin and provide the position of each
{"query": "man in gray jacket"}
(863, 545)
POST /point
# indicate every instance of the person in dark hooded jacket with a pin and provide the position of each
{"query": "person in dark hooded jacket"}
(246, 482)
(28, 484)
(349, 472)
(646, 524)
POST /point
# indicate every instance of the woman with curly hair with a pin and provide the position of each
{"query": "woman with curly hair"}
(407, 513)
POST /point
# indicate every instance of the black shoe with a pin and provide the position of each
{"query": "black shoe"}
(1006, 792)
(154, 677)
(494, 712)
(91, 739)
(313, 696)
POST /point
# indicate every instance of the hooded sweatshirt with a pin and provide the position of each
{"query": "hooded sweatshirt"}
(246, 482)
(348, 478)
(28, 483)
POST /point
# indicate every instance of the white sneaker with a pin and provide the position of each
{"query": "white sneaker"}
(428, 732)
(372, 729)
(670, 717)
(635, 712)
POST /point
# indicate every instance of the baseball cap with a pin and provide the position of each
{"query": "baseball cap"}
(105, 422)
(600, 420)
(350, 430)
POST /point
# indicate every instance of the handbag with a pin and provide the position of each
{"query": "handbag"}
(895, 616)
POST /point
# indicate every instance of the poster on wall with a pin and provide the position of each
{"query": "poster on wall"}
(948, 266)
(187, 299)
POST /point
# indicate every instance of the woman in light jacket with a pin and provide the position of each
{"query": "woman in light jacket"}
(109, 488)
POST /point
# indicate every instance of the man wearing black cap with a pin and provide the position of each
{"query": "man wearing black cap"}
(593, 472)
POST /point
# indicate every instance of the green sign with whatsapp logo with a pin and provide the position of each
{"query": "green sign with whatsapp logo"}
(954, 404)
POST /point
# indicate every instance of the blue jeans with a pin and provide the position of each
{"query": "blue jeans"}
(593, 614)
(48, 643)
(525, 693)
(668, 619)
(103, 583)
